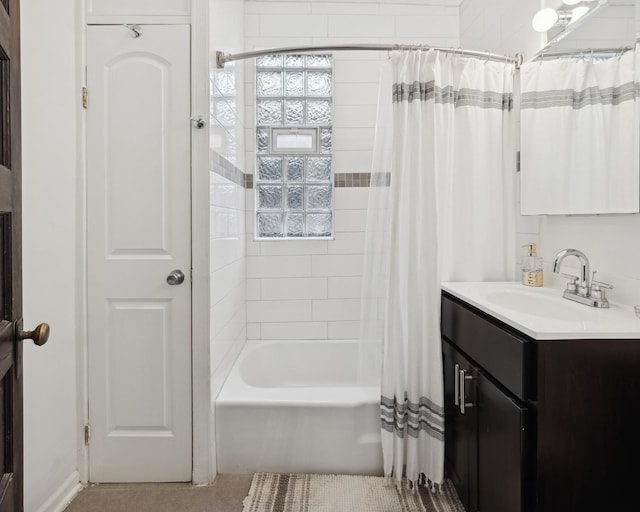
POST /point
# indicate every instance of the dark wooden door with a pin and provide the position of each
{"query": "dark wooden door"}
(502, 450)
(486, 455)
(10, 261)
(461, 429)
(11, 333)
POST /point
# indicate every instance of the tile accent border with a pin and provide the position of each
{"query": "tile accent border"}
(351, 179)
(223, 167)
(361, 179)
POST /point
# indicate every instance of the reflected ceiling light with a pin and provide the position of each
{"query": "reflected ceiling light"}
(578, 12)
(571, 2)
(544, 19)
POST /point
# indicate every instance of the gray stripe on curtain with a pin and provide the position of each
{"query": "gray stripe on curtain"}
(405, 416)
(580, 99)
(428, 91)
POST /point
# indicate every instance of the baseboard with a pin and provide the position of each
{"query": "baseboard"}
(59, 500)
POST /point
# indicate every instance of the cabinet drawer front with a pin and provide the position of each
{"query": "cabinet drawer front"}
(498, 352)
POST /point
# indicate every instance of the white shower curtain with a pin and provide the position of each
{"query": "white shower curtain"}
(441, 208)
(579, 136)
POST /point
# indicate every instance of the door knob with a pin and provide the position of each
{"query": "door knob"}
(175, 277)
(39, 335)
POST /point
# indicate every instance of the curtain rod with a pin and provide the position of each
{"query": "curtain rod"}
(588, 52)
(222, 58)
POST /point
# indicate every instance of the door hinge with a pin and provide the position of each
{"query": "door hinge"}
(87, 434)
(85, 101)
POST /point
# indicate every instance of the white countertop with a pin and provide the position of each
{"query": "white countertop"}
(543, 314)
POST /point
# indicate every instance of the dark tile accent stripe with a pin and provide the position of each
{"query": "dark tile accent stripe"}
(352, 179)
(223, 167)
(362, 179)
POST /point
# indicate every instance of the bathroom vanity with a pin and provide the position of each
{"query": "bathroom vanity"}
(542, 400)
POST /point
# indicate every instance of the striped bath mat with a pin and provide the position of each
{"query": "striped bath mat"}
(272, 492)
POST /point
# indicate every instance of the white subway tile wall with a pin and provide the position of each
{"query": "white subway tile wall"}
(500, 26)
(311, 289)
(228, 327)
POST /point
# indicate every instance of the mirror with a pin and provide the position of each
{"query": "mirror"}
(579, 127)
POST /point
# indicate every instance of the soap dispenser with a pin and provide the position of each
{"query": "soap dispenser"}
(531, 267)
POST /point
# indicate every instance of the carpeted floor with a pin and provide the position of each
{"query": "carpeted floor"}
(272, 492)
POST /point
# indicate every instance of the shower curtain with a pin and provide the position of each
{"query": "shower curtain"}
(579, 135)
(441, 208)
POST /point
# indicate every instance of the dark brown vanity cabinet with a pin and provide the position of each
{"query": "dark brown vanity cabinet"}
(485, 437)
(548, 425)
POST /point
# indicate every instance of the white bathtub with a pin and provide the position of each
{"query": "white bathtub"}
(296, 406)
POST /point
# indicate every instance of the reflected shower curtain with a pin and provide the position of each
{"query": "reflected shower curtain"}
(441, 207)
(579, 135)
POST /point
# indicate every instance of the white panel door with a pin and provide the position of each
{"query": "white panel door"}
(138, 207)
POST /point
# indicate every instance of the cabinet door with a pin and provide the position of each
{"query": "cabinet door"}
(502, 452)
(461, 448)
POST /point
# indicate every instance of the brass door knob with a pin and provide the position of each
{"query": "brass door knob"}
(39, 335)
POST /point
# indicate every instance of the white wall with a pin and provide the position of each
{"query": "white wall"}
(609, 241)
(611, 26)
(504, 26)
(304, 289)
(227, 195)
(501, 26)
(51, 44)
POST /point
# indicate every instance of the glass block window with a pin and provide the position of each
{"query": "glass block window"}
(223, 116)
(294, 177)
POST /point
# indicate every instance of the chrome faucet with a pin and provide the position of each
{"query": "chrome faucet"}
(583, 280)
(580, 288)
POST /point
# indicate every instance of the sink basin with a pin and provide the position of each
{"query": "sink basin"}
(543, 314)
(530, 303)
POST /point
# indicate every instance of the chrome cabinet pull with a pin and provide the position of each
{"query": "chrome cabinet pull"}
(456, 385)
(463, 379)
